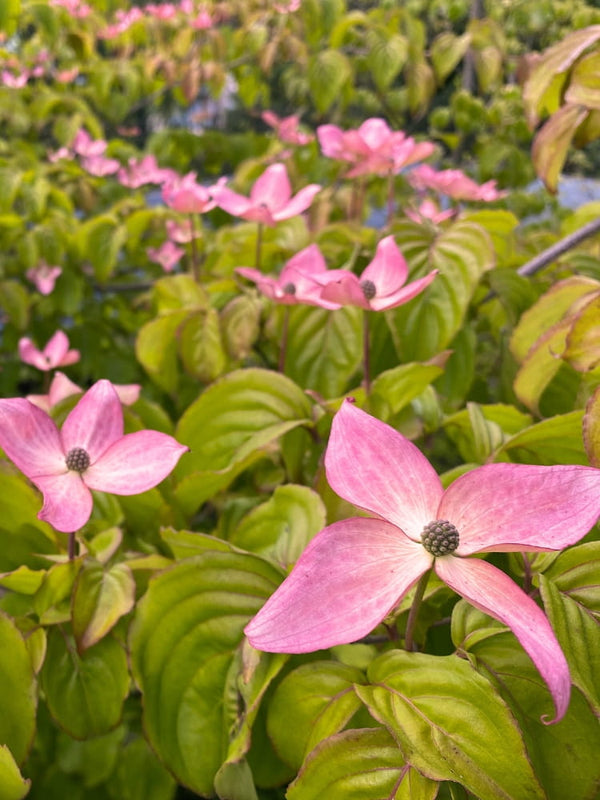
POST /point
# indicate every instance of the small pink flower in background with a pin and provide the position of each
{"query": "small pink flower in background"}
(289, 8)
(186, 195)
(382, 284)
(355, 572)
(287, 128)
(12, 81)
(100, 166)
(85, 146)
(66, 75)
(140, 172)
(75, 7)
(57, 155)
(55, 354)
(89, 452)
(453, 183)
(296, 284)
(428, 210)
(270, 198)
(167, 255)
(44, 277)
(182, 232)
(161, 10)
(202, 21)
(373, 148)
(62, 387)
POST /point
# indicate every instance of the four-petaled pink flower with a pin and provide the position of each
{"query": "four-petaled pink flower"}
(355, 572)
(297, 283)
(381, 286)
(44, 277)
(55, 354)
(373, 148)
(287, 128)
(186, 195)
(89, 452)
(428, 211)
(453, 183)
(63, 387)
(167, 255)
(270, 198)
(140, 172)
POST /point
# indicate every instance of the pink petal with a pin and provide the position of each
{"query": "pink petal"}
(494, 593)
(309, 261)
(504, 507)
(62, 387)
(95, 423)
(375, 132)
(128, 393)
(388, 270)
(345, 290)
(331, 140)
(299, 203)
(272, 188)
(374, 467)
(137, 462)
(232, 202)
(67, 501)
(267, 285)
(30, 438)
(404, 294)
(57, 348)
(29, 354)
(348, 579)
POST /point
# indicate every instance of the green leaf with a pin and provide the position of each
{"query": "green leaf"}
(18, 695)
(394, 389)
(478, 430)
(541, 364)
(556, 440)
(92, 760)
(497, 654)
(328, 73)
(552, 142)
(427, 324)
(240, 323)
(139, 775)
(85, 693)
(583, 340)
(365, 764)
(324, 348)
(447, 50)
(12, 784)
(186, 631)
(200, 345)
(583, 82)
(177, 292)
(102, 596)
(228, 426)
(9, 14)
(281, 528)
(591, 429)
(387, 55)
(450, 724)
(52, 601)
(156, 349)
(313, 702)
(100, 239)
(15, 302)
(569, 589)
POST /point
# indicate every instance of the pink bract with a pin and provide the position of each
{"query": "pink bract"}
(373, 148)
(89, 452)
(63, 387)
(297, 283)
(270, 198)
(44, 277)
(453, 183)
(55, 354)
(355, 572)
(382, 284)
(167, 255)
(186, 195)
(287, 128)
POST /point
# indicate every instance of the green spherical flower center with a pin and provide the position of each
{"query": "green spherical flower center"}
(440, 537)
(369, 289)
(77, 459)
(289, 288)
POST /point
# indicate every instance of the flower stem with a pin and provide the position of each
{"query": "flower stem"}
(390, 199)
(195, 258)
(259, 235)
(72, 546)
(409, 643)
(366, 363)
(284, 338)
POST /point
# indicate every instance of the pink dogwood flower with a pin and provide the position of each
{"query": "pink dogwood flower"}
(373, 148)
(287, 128)
(453, 183)
(186, 195)
(62, 387)
(100, 166)
(44, 277)
(85, 146)
(381, 286)
(140, 172)
(89, 452)
(270, 198)
(428, 211)
(296, 284)
(355, 572)
(55, 354)
(167, 255)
